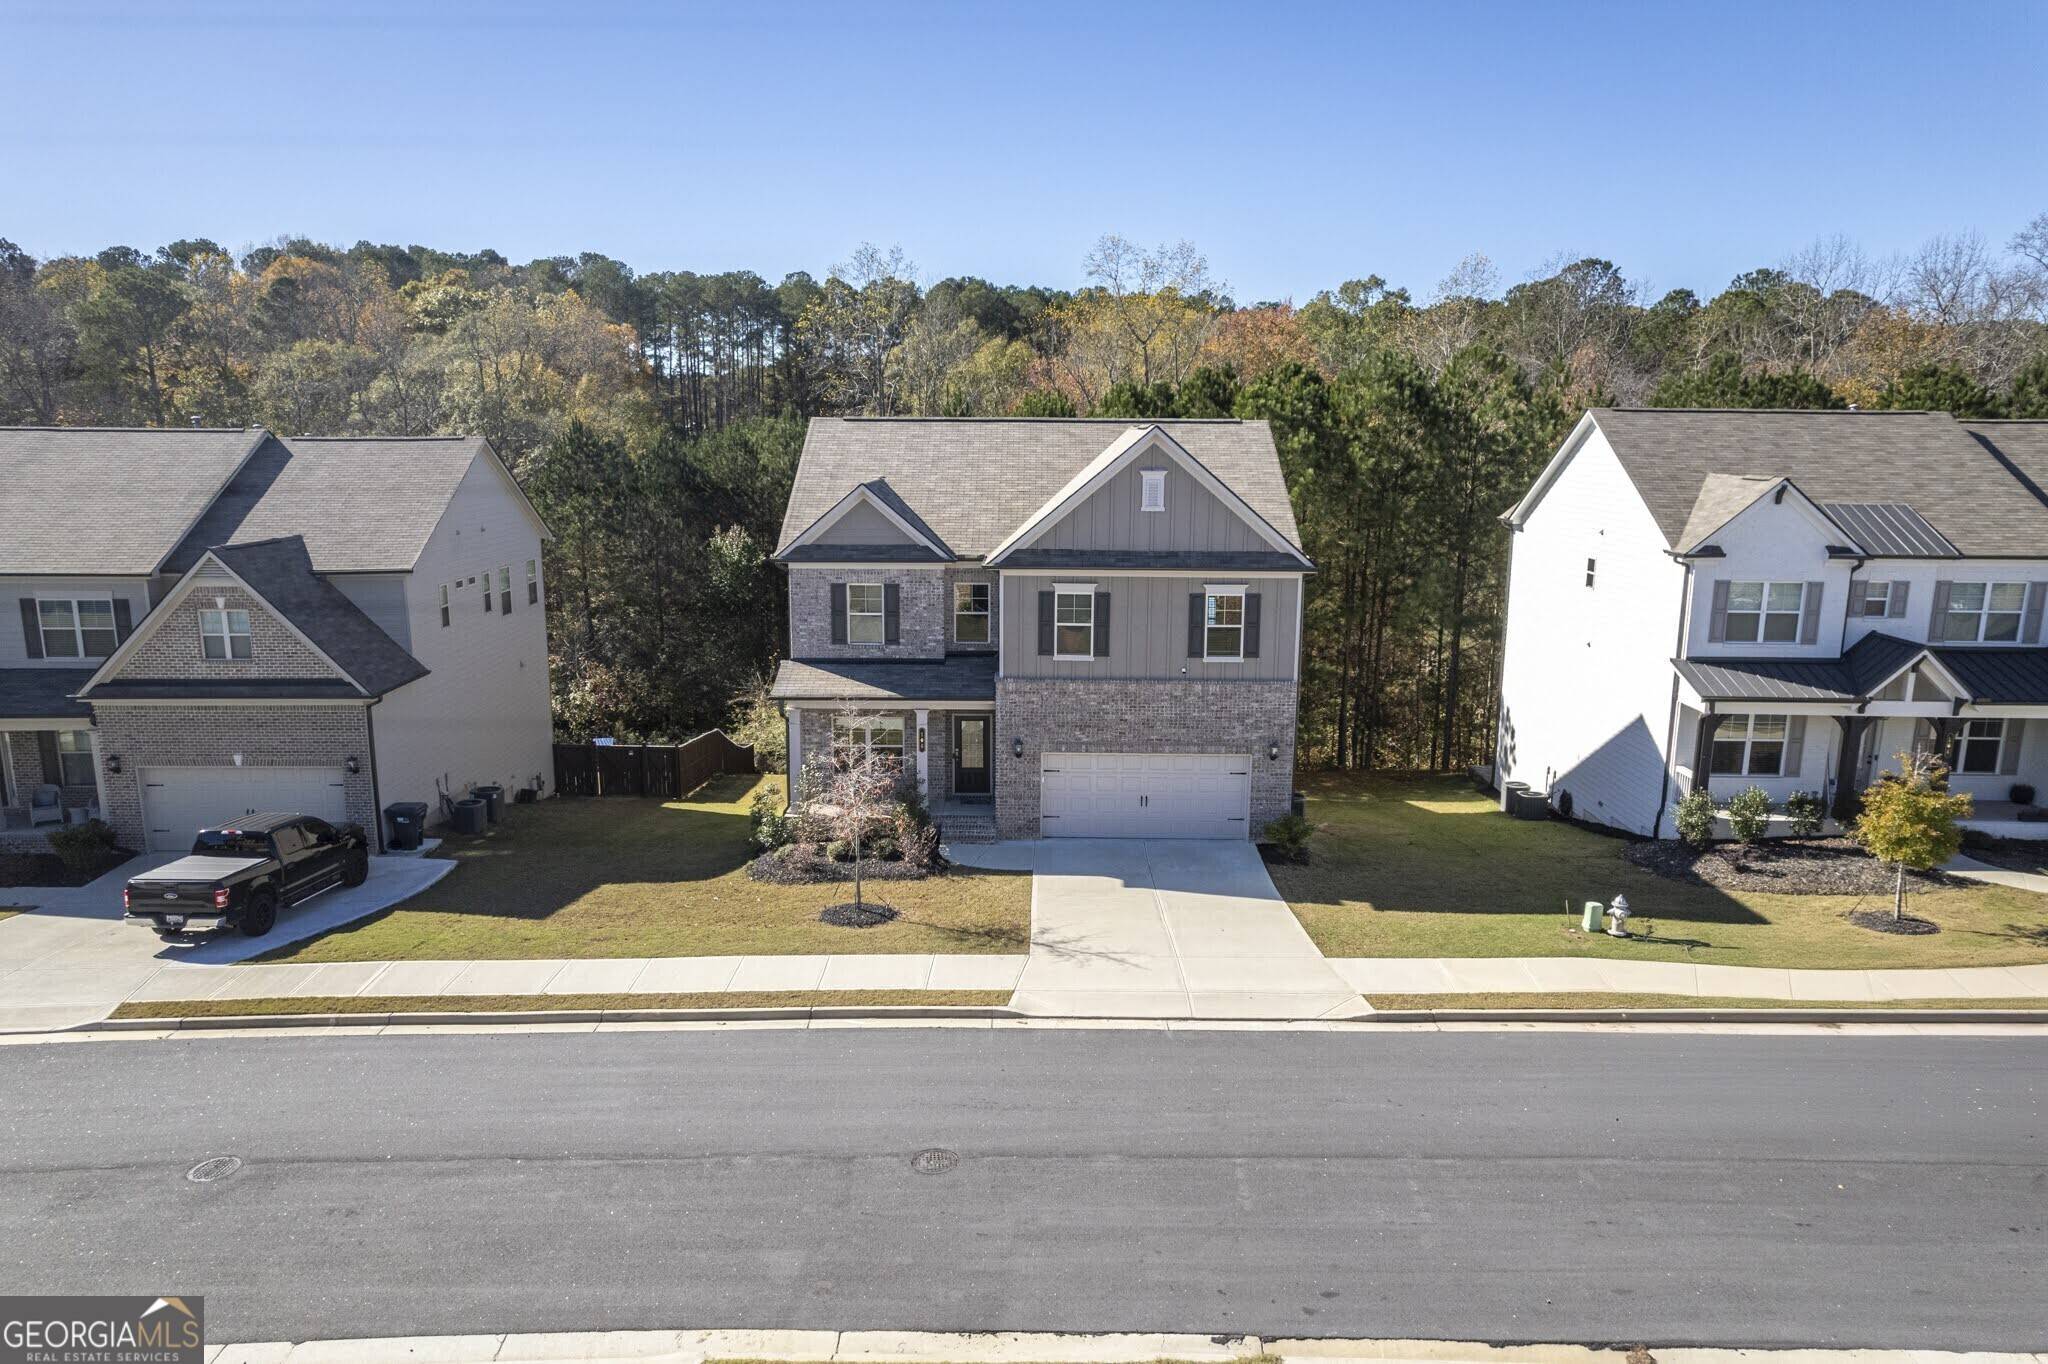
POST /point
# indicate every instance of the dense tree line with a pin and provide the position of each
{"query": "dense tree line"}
(656, 418)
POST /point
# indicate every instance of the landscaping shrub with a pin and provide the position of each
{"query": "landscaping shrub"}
(840, 850)
(1288, 837)
(2021, 793)
(1805, 813)
(916, 839)
(1696, 819)
(83, 847)
(771, 827)
(1749, 814)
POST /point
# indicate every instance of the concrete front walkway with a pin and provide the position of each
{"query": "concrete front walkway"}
(72, 959)
(1584, 975)
(1128, 928)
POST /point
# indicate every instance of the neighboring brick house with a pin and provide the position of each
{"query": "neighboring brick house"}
(198, 624)
(1066, 628)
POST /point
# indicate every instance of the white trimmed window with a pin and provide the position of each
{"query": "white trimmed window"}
(1980, 747)
(1073, 621)
(866, 736)
(533, 582)
(224, 635)
(970, 613)
(76, 627)
(1592, 567)
(1984, 611)
(864, 623)
(505, 589)
(1750, 746)
(445, 613)
(74, 758)
(1766, 613)
(1223, 624)
(1876, 597)
(1152, 490)
(487, 590)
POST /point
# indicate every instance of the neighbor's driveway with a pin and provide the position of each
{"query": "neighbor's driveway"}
(72, 958)
(1129, 928)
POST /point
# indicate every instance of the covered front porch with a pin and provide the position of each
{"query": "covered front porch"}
(1831, 730)
(49, 756)
(938, 718)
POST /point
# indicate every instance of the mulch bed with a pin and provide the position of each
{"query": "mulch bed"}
(48, 869)
(867, 914)
(2014, 854)
(1780, 866)
(804, 864)
(1881, 921)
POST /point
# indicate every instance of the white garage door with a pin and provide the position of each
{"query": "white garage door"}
(177, 802)
(1144, 795)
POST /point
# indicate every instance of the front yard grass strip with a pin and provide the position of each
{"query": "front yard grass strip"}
(614, 876)
(424, 1004)
(1583, 1000)
(1426, 866)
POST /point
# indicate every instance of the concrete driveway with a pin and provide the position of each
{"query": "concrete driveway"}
(71, 959)
(1130, 928)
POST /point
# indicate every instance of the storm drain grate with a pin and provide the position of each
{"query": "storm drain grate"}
(216, 1167)
(934, 1160)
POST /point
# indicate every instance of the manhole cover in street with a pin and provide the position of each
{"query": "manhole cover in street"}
(219, 1167)
(934, 1160)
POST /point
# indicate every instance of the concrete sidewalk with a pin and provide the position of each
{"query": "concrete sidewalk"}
(1583, 975)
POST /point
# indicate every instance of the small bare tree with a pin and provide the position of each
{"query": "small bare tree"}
(854, 794)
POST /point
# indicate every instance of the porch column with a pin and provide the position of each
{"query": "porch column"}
(99, 773)
(924, 774)
(795, 762)
(1703, 749)
(1853, 729)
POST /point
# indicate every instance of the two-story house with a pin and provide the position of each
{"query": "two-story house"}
(196, 624)
(1710, 600)
(1065, 628)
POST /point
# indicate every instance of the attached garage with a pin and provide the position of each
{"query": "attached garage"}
(1145, 795)
(177, 802)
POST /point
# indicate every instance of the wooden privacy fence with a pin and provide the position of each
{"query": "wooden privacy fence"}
(666, 771)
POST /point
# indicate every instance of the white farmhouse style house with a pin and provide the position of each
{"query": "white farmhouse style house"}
(1719, 599)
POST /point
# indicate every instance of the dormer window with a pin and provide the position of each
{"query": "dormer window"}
(224, 636)
(1152, 485)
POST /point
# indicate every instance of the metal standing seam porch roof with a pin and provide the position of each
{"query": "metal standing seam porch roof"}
(1991, 676)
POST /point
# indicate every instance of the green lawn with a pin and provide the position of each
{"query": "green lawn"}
(1427, 867)
(615, 877)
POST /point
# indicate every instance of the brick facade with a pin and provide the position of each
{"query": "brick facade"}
(924, 610)
(211, 736)
(1084, 716)
(172, 649)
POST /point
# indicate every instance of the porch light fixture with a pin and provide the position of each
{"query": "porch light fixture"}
(1017, 747)
(114, 763)
(1273, 752)
(351, 766)
(920, 738)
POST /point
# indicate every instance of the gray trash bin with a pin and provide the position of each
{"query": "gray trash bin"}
(470, 816)
(404, 822)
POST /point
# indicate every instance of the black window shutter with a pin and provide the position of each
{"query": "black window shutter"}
(1045, 622)
(53, 767)
(1102, 625)
(124, 620)
(1196, 607)
(1251, 625)
(892, 614)
(31, 628)
(839, 613)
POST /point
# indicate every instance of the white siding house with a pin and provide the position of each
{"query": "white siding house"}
(1715, 600)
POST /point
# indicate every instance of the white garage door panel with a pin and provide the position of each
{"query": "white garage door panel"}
(177, 802)
(1144, 795)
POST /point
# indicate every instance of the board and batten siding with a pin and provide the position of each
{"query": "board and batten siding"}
(1148, 627)
(1110, 518)
(1587, 681)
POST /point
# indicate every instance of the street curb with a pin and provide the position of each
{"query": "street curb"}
(1014, 1347)
(1722, 1015)
(519, 1017)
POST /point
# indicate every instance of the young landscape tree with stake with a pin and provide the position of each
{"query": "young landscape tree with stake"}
(1910, 821)
(855, 795)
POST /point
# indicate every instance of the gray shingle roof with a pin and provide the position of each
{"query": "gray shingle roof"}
(93, 499)
(363, 504)
(281, 573)
(193, 688)
(1924, 459)
(2021, 446)
(41, 693)
(863, 554)
(962, 677)
(973, 481)
(1193, 561)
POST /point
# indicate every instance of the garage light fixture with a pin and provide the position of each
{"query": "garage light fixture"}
(1273, 752)
(351, 766)
(114, 763)
(1017, 747)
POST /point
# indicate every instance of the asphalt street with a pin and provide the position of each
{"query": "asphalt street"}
(1807, 1190)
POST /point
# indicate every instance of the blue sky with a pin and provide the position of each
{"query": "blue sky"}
(1297, 144)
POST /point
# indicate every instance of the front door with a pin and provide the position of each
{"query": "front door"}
(970, 755)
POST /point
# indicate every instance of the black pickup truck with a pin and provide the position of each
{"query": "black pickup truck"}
(240, 876)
